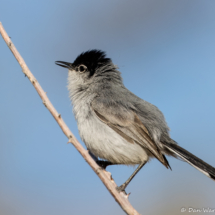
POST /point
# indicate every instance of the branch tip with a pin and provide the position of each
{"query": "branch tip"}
(44, 102)
(128, 195)
(70, 139)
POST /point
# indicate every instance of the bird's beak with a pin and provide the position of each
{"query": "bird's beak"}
(64, 64)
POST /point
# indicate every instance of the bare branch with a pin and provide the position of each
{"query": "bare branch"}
(105, 176)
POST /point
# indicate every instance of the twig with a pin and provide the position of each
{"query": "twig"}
(105, 176)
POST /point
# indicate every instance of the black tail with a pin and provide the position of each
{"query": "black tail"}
(191, 159)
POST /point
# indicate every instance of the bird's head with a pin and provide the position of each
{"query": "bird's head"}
(88, 64)
(91, 69)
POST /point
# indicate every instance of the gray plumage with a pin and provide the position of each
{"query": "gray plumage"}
(114, 123)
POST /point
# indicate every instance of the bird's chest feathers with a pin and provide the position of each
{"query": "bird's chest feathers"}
(90, 128)
(81, 107)
(88, 124)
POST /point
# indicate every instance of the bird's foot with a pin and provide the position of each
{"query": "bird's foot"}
(122, 188)
(103, 164)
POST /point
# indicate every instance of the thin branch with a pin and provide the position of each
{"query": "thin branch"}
(105, 176)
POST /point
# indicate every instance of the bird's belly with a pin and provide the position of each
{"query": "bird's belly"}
(105, 143)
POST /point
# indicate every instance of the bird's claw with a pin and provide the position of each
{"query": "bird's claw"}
(121, 188)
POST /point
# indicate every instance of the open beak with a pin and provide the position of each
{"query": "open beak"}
(64, 64)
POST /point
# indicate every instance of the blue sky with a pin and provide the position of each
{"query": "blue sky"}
(165, 51)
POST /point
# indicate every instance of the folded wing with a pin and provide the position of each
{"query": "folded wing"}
(125, 122)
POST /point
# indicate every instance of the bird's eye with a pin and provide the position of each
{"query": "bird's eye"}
(82, 68)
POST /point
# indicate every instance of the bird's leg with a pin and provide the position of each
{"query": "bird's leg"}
(123, 186)
(101, 163)
(104, 164)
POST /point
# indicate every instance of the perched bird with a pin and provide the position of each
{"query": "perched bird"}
(116, 125)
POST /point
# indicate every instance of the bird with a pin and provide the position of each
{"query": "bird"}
(117, 126)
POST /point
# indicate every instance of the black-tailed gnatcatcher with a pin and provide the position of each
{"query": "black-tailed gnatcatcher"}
(116, 125)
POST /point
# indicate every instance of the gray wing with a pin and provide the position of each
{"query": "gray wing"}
(127, 124)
